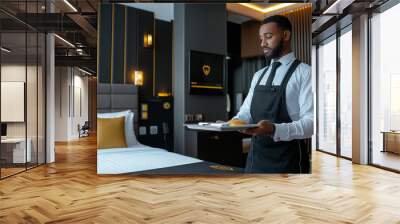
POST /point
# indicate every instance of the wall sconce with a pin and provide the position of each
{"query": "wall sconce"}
(163, 94)
(148, 40)
(138, 78)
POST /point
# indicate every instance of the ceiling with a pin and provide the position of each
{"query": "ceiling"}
(242, 12)
(76, 20)
(73, 20)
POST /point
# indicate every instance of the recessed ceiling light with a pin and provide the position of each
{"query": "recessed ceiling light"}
(64, 40)
(267, 9)
(70, 5)
(84, 71)
(5, 50)
(337, 7)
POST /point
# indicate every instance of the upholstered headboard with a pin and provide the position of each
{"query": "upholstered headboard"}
(117, 97)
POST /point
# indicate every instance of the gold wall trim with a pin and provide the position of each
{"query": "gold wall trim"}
(112, 44)
(125, 28)
(98, 41)
(154, 56)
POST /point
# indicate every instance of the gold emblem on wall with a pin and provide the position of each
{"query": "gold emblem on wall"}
(206, 70)
(166, 105)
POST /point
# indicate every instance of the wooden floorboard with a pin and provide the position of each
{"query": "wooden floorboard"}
(70, 191)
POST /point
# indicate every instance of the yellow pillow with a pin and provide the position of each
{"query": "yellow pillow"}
(111, 133)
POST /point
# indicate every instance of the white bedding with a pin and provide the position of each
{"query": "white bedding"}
(138, 158)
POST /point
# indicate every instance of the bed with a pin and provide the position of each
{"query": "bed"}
(116, 100)
(142, 159)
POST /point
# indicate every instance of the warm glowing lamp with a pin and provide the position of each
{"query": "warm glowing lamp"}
(138, 78)
(164, 94)
(148, 40)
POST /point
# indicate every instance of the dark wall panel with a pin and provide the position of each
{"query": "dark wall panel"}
(121, 47)
(92, 100)
(118, 47)
(104, 48)
(163, 56)
(233, 39)
(301, 40)
(207, 34)
(146, 26)
(234, 64)
(131, 55)
(250, 46)
(200, 27)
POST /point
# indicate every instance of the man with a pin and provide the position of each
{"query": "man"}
(280, 101)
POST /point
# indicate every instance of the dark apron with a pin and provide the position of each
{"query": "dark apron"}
(266, 155)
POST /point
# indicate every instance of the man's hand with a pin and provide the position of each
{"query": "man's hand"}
(264, 128)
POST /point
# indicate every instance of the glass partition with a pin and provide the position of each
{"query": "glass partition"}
(13, 105)
(346, 93)
(327, 96)
(22, 89)
(385, 89)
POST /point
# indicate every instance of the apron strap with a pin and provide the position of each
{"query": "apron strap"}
(262, 75)
(289, 73)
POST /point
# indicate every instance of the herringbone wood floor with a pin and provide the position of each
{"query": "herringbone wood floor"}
(69, 191)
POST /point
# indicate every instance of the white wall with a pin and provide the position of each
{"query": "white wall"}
(71, 93)
(33, 126)
(16, 73)
(79, 117)
(61, 103)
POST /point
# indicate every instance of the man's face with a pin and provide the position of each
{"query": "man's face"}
(272, 40)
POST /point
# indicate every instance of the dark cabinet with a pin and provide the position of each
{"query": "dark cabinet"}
(156, 118)
(221, 147)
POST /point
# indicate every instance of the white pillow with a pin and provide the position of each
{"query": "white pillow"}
(113, 114)
(130, 137)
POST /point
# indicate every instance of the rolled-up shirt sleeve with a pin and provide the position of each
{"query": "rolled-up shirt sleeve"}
(244, 111)
(304, 127)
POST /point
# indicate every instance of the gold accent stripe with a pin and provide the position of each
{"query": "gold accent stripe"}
(154, 56)
(206, 87)
(98, 42)
(125, 28)
(112, 43)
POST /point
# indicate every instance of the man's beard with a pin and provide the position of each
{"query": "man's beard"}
(276, 52)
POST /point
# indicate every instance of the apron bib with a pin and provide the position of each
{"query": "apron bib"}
(266, 155)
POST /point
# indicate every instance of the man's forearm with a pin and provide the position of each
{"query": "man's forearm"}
(301, 129)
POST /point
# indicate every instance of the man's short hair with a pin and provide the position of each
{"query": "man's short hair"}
(282, 22)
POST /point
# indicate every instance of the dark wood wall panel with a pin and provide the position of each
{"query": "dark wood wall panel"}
(121, 46)
(92, 98)
(301, 19)
(131, 39)
(118, 47)
(250, 41)
(104, 43)
(163, 56)
(122, 50)
(146, 59)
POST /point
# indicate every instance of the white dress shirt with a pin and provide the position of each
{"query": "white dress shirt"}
(299, 100)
